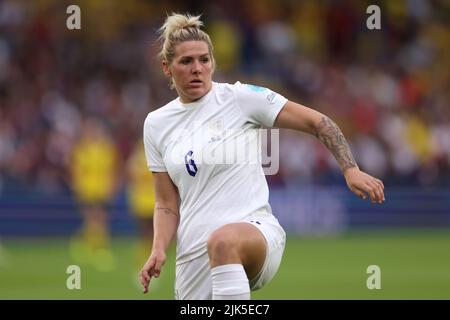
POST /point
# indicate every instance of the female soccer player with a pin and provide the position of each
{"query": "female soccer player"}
(228, 241)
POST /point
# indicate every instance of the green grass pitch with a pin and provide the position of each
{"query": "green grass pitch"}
(415, 264)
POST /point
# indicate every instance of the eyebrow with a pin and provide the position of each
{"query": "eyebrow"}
(201, 56)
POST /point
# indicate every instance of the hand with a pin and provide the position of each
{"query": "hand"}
(362, 184)
(152, 268)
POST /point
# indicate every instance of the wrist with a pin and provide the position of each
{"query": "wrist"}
(159, 247)
(350, 170)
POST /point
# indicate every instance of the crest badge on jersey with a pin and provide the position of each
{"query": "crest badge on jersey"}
(215, 129)
(271, 97)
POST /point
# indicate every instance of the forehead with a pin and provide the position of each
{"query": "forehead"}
(191, 49)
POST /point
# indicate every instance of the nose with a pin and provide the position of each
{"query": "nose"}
(196, 66)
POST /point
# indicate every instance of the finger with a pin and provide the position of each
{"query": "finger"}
(146, 271)
(149, 266)
(382, 190)
(380, 183)
(377, 191)
(145, 290)
(144, 278)
(359, 193)
(374, 190)
(145, 275)
(381, 193)
(370, 190)
(380, 186)
(373, 195)
(145, 283)
(157, 269)
(145, 286)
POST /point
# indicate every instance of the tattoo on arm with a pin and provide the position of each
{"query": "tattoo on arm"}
(167, 211)
(331, 136)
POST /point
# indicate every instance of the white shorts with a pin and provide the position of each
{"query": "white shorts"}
(193, 278)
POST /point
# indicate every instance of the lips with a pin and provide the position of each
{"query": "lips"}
(196, 83)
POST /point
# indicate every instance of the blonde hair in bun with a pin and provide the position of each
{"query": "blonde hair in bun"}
(179, 28)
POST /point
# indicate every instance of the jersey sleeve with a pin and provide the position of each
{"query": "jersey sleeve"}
(259, 105)
(152, 154)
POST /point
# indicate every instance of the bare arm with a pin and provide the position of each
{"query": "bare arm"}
(166, 217)
(165, 223)
(331, 136)
(301, 118)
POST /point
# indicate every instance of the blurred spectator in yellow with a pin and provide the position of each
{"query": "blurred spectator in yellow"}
(227, 49)
(308, 23)
(94, 169)
(419, 137)
(141, 200)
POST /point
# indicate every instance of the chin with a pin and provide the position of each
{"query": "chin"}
(195, 94)
(195, 98)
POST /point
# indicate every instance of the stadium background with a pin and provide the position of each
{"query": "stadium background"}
(388, 90)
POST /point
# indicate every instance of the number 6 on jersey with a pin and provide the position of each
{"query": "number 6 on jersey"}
(190, 163)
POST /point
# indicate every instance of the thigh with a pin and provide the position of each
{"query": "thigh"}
(275, 239)
(238, 242)
(193, 279)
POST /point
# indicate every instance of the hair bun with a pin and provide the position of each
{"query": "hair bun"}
(177, 22)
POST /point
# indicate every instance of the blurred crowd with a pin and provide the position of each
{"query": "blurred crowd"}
(388, 89)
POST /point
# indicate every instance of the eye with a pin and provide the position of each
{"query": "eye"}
(185, 61)
(204, 60)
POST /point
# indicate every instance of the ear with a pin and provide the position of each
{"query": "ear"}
(166, 69)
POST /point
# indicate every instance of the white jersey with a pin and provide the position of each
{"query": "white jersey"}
(207, 147)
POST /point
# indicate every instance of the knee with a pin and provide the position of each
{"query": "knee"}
(222, 245)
